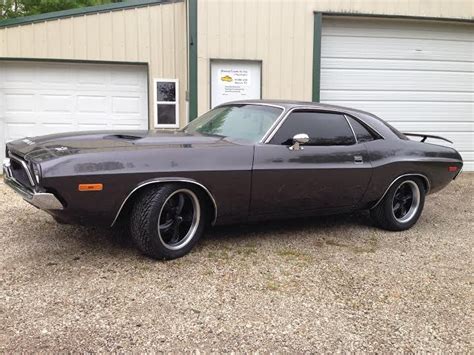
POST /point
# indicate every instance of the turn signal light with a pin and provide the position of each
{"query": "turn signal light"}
(91, 187)
(452, 169)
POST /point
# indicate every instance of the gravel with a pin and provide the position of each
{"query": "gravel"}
(325, 284)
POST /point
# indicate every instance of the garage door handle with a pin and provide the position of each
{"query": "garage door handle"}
(358, 159)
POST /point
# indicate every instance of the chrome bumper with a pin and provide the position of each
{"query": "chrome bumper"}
(42, 200)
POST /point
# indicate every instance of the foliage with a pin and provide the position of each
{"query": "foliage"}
(17, 8)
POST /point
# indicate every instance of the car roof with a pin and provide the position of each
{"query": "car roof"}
(290, 104)
(373, 121)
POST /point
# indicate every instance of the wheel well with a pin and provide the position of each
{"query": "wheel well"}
(129, 201)
(424, 179)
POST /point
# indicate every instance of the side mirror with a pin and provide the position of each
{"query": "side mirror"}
(298, 140)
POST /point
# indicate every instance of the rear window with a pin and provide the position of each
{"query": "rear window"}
(362, 133)
(389, 126)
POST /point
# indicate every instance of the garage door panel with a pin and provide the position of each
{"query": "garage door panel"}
(127, 105)
(404, 64)
(437, 126)
(91, 104)
(392, 28)
(366, 79)
(413, 111)
(127, 77)
(22, 78)
(398, 96)
(468, 157)
(18, 103)
(17, 130)
(396, 48)
(56, 103)
(92, 76)
(468, 165)
(53, 75)
(93, 127)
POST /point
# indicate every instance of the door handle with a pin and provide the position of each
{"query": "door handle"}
(358, 159)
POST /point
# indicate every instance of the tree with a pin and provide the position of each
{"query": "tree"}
(17, 8)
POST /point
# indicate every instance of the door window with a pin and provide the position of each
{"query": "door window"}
(322, 128)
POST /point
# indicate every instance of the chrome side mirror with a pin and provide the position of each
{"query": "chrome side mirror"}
(298, 140)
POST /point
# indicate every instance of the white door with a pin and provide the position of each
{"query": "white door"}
(417, 75)
(38, 98)
(233, 80)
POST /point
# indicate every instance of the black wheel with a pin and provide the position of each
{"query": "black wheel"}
(167, 220)
(402, 205)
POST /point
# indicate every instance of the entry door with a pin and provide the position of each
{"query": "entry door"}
(332, 171)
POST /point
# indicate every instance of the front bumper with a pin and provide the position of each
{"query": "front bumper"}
(42, 200)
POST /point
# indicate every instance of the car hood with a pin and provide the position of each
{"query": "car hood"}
(66, 144)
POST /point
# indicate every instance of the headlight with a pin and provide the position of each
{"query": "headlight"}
(36, 169)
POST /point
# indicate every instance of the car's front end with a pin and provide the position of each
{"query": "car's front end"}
(24, 177)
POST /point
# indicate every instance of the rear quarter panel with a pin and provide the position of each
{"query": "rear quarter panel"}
(393, 158)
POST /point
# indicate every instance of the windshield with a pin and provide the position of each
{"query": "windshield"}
(247, 122)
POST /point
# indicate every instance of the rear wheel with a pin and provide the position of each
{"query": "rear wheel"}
(167, 220)
(402, 205)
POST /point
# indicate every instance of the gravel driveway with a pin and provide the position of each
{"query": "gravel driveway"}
(326, 284)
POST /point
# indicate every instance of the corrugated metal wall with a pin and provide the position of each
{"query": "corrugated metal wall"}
(280, 33)
(153, 34)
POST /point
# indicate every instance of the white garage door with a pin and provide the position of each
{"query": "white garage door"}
(417, 75)
(39, 98)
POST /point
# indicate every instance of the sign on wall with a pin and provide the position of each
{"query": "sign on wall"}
(235, 80)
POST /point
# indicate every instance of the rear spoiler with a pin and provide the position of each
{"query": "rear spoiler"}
(425, 136)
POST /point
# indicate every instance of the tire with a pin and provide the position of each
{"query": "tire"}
(167, 220)
(397, 211)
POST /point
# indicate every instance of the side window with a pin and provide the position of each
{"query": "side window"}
(321, 127)
(362, 134)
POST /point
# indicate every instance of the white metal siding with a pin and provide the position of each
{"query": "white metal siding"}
(38, 98)
(417, 75)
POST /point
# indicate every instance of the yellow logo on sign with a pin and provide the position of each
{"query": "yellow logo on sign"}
(227, 78)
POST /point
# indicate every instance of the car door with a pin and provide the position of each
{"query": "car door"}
(331, 171)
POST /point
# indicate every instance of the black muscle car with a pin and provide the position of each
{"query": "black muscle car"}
(240, 162)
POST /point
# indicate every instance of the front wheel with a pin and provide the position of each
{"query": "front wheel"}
(402, 205)
(167, 220)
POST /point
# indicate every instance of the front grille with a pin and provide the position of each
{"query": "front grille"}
(19, 172)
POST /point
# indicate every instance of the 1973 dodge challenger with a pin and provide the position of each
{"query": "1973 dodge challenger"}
(240, 162)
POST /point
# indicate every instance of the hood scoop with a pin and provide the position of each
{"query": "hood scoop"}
(127, 137)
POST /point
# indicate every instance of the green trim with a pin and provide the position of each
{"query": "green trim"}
(80, 11)
(318, 22)
(82, 61)
(193, 59)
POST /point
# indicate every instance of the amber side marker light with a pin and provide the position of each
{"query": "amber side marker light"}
(91, 187)
(452, 169)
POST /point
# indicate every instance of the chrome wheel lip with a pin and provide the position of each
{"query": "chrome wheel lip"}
(194, 223)
(415, 204)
